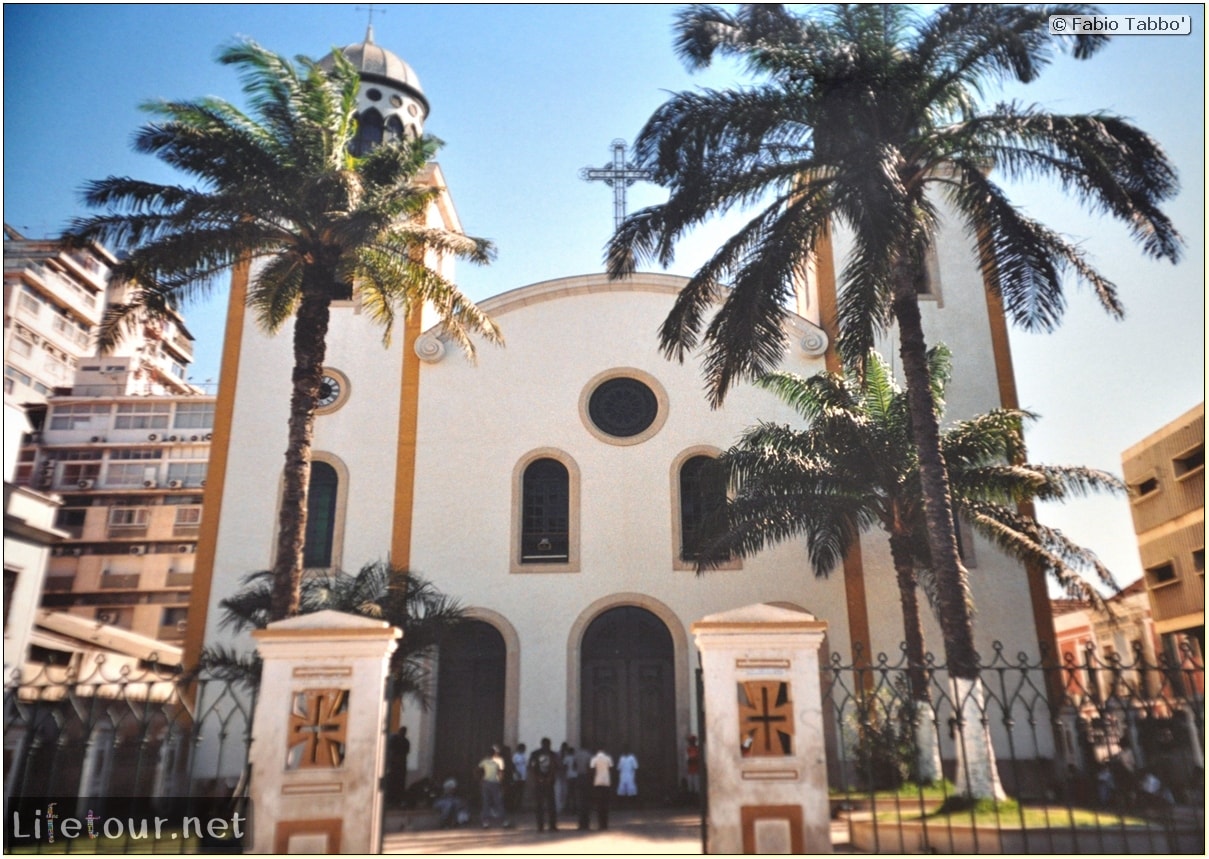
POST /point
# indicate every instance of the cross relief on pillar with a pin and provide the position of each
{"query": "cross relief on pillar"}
(765, 719)
(317, 729)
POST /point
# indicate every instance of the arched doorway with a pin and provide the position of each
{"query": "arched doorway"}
(628, 694)
(470, 699)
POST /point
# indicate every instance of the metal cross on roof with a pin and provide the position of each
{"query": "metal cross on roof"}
(619, 175)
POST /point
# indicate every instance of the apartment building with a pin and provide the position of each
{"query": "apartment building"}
(131, 472)
(120, 441)
(1166, 476)
(54, 298)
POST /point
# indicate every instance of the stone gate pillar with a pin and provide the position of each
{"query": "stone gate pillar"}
(317, 738)
(764, 741)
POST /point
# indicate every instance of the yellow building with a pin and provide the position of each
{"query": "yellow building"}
(1166, 476)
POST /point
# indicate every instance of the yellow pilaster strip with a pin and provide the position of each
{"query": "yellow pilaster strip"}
(405, 460)
(854, 567)
(216, 472)
(1043, 614)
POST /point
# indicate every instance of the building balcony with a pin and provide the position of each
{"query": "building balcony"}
(119, 581)
(178, 580)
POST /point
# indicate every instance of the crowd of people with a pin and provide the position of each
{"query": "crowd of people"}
(567, 784)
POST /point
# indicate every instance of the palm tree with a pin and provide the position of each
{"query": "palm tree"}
(278, 189)
(868, 116)
(854, 466)
(378, 590)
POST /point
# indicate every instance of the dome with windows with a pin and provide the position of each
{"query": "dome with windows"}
(391, 102)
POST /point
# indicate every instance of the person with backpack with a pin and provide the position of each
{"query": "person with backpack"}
(544, 766)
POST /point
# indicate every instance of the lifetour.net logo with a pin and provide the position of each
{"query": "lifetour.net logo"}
(116, 824)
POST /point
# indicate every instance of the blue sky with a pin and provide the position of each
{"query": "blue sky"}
(525, 96)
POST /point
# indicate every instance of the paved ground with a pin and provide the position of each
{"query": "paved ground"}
(630, 832)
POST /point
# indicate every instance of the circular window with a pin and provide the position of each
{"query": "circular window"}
(622, 407)
(396, 100)
(373, 94)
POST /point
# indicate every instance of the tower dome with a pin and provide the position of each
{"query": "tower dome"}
(390, 102)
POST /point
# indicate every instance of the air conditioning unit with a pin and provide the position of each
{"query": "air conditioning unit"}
(202, 484)
(182, 625)
(208, 436)
(77, 551)
(97, 438)
(185, 548)
(84, 483)
(58, 551)
(152, 437)
(175, 484)
(193, 438)
(173, 438)
(138, 550)
(149, 484)
(107, 617)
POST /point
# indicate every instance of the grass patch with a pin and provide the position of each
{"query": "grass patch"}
(936, 791)
(1010, 814)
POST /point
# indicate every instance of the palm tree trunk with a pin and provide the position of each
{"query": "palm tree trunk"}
(977, 773)
(310, 349)
(925, 728)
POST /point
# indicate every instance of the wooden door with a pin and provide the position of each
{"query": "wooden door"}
(470, 700)
(628, 698)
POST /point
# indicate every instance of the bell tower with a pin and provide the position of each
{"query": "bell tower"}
(390, 103)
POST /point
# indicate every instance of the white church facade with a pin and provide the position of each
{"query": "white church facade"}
(552, 487)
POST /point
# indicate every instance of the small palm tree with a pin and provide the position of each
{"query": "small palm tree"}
(854, 466)
(278, 189)
(867, 116)
(378, 590)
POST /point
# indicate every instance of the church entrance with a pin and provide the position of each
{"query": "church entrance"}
(628, 697)
(470, 700)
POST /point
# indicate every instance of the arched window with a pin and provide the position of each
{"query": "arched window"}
(320, 515)
(369, 132)
(702, 507)
(394, 129)
(545, 513)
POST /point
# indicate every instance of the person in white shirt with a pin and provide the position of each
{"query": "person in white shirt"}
(601, 766)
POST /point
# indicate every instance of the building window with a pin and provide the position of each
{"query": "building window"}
(19, 345)
(181, 474)
(369, 132)
(545, 513)
(128, 517)
(1189, 462)
(623, 406)
(320, 516)
(193, 415)
(1145, 488)
(142, 415)
(188, 517)
(79, 416)
(1161, 574)
(128, 474)
(702, 508)
(1198, 560)
(174, 618)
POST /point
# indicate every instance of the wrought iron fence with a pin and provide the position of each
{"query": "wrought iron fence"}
(113, 732)
(1095, 753)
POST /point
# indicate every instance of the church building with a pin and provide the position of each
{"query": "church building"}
(555, 487)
